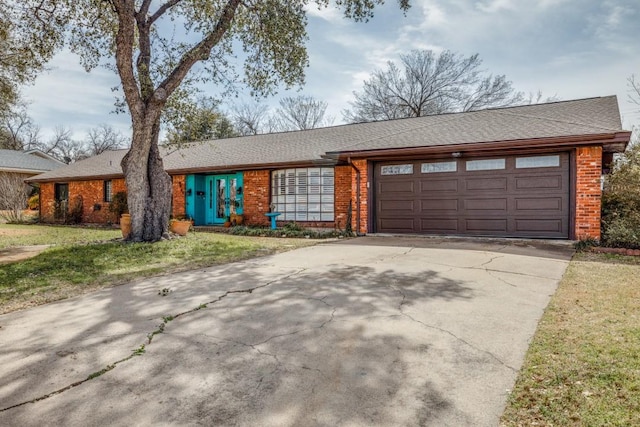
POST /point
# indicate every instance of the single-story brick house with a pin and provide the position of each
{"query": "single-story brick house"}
(527, 171)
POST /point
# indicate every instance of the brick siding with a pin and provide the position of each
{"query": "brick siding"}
(362, 165)
(256, 197)
(588, 193)
(179, 204)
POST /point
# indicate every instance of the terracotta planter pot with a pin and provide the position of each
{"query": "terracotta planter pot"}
(125, 225)
(180, 227)
(236, 219)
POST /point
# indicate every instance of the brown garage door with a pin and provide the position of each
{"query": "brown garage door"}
(519, 196)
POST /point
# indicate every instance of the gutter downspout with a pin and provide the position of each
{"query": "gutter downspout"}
(358, 233)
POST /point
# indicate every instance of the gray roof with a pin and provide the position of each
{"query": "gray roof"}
(33, 161)
(593, 116)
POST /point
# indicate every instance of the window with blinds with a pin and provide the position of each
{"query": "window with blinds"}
(303, 194)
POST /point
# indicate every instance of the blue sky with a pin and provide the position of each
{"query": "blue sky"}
(567, 48)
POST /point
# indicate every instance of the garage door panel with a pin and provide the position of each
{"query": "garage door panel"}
(495, 205)
(538, 225)
(431, 205)
(539, 204)
(398, 224)
(439, 185)
(391, 187)
(439, 225)
(396, 206)
(481, 225)
(511, 201)
(486, 184)
(539, 182)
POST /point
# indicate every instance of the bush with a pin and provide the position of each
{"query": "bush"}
(621, 202)
(118, 204)
(288, 230)
(34, 202)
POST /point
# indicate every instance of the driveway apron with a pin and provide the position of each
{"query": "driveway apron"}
(366, 332)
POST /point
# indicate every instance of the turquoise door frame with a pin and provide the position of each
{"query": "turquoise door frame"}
(212, 198)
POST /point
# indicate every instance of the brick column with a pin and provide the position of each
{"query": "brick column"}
(256, 197)
(178, 204)
(362, 166)
(588, 192)
(342, 191)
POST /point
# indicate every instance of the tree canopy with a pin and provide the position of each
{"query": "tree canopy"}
(154, 45)
(426, 83)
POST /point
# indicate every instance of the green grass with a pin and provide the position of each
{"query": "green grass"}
(70, 268)
(27, 235)
(583, 366)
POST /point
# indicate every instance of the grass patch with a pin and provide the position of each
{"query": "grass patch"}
(70, 269)
(26, 235)
(583, 366)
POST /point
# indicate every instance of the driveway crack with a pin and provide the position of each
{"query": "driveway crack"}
(467, 343)
(160, 329)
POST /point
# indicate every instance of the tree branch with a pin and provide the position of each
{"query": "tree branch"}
(201, 51)
(162, 9)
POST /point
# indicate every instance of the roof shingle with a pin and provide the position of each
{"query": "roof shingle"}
(591, 116)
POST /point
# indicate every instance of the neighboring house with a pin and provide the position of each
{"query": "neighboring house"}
(24, 164)
(528, 171)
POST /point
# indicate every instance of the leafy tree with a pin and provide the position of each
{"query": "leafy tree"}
(301, 112)
(152, 60)
(198, 121)
(425, 83)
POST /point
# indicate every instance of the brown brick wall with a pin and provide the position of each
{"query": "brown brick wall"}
(256, 197)
(342, 196)
(94, 208)
(47, 195)
(588, 193)
(362, 166)
(178, 205)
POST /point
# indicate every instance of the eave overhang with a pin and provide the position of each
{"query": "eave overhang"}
(610, 142)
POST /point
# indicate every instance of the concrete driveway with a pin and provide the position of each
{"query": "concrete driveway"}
(366, 332)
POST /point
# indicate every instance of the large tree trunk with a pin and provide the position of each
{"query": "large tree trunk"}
(148, 184)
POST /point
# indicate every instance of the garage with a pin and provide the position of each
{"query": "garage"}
(508, 196)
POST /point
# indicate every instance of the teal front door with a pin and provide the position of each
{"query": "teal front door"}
(224, 197)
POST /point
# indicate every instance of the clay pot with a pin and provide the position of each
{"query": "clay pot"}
(125, 225)
(180, 227)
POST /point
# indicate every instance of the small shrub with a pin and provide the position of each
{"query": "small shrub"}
(34, 202)
(118, 204)
(584, 245)
(75, 212)
(288, 230)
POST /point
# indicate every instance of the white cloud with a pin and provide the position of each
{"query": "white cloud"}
(493, 6)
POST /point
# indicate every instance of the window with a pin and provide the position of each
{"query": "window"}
(107, 191)
(485, 165)
(538, 162)
(438, 167)
(396, 170)
(303, 194)
(61, 194)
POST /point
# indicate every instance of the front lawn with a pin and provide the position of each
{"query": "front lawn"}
(83, 261)
(583, 366)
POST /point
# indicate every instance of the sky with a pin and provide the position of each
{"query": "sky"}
(569, 49)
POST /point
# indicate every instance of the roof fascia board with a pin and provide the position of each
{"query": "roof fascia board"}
(613, 140)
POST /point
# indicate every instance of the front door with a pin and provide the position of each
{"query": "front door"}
(224, 197)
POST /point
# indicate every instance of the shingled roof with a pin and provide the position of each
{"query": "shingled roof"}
(584, 117)
(29, 162)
